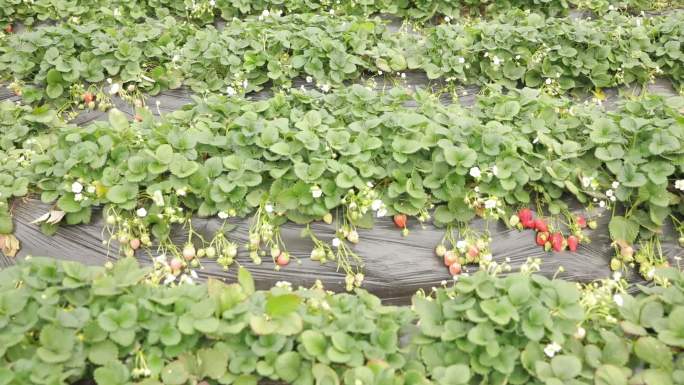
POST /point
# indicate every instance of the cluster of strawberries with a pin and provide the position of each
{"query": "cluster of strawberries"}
(550, 240)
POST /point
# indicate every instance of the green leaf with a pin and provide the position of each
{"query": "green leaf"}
(206, 325)
(280, 305)
(324, 375)
(455, 375)
(53, 91)
(287, 366)
(566, 367)
(182, 167)
(174, 373)
(67, 204)
(507, 110)
(164, 154)
(610, 375)
(246, 281)
(663, 142)
(653, 352)
(6, 376)
(118, 120)
(114, 373)
(314, 342)
(54, 77)
(281, 148)
(103, 352)
(122, 193)
(624, 229)
(213, 362)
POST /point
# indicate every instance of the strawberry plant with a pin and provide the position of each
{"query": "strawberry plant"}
(110, 325)
(558, 55)
(299, 156)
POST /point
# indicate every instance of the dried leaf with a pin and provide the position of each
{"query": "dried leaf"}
(9, 245)
(55, 216)
(41, 218)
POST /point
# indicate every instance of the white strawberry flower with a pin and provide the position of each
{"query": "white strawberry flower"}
(679, 184)
(475, 172)
(114, 89)
(78, 197)
(141, 212)
(169, 279)
(336, 242)
(617, 298)
(316, 192)
(269, 208)
(91, 189)
(309, 79)
(615, 184)
(548, 81)
(376, 205)
(580, 333)
(551, 349)
(222, 214)
(381, 213)
(461, 60)
(461, 245)
(181, 192)
(495, 170)
(490, 203)
(76, 187)
(496, 60)
(230, 91)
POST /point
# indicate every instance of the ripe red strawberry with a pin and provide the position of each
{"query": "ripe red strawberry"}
(455, 268)
(541, 225)
(400, 221)
(542, 237)
(572, 243)
(450, 258)
(528, 224)
(557, 241)
(581, 221)
(473, 251)
(283, 259)
(9, 28)
(525, 215)
(138, 118)
(88, 97)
